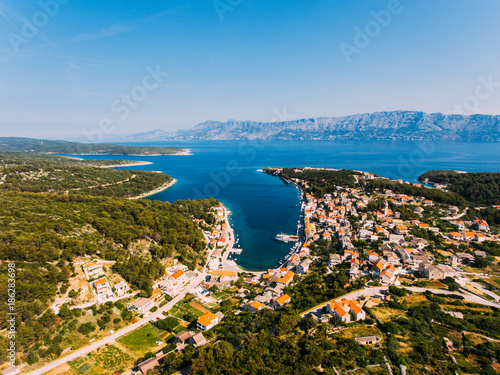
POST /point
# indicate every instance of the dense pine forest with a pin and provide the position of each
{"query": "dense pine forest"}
(43, 233)
(38, 173)
(321, 181)
(479, 188)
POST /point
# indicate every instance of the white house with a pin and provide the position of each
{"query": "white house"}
(338, 312)
(141, 305)
(281, 301)
(303, 266)
(121, 288)
(101, 286)
(481, 225)
(207, 321)
(285, 280)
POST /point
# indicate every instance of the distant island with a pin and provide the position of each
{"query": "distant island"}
(74, 148)
(396, 125)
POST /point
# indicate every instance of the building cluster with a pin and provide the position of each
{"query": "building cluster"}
(346, 310)
(273, 296)
(391, 246)
(219, 237)
(100, 285)
(174, 281)
(465, 234)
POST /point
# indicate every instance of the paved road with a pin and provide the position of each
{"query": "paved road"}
(484, 290)
(458, 216)
(110, 339)
(159, 313)
(376, 290)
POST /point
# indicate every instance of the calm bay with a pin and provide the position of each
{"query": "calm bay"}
(263, 206)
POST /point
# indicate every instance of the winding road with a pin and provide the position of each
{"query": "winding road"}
(110, 339)
(159, 313)
(377, 290)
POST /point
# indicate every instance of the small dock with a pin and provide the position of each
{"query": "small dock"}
(286, 238)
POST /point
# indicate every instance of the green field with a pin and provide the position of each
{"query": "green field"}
(183, 308)
(143, 339)
(83, 366)
(111, 358)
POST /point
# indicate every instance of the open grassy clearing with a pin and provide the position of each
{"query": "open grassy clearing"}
(198, 306)
(111, 358)
(143, 339)
(359, 331)
(82, 366)
(386, 313)
(433, 284)
(414, 298)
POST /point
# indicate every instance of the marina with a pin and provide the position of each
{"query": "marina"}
(298, 238)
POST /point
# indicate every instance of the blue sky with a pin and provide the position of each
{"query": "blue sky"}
(68, 66)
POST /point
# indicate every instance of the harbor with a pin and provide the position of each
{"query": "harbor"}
(299, 237)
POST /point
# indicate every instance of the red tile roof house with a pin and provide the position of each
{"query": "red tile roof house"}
(101, 286)
(480, 237)
(338, 312)
(148, 365)
(287, 279)
(481, 225)
(252, 306)
(183, 337)
(93, 269)
(345, 310)
(222, 242)
(455, 236)
(207, 321)
(281, 301)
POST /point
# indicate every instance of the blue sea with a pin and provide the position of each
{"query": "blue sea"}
(263, 206)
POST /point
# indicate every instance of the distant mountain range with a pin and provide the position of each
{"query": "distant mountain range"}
(397, 125)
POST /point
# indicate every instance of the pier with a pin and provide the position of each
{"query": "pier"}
(299, 237)
(286, 238)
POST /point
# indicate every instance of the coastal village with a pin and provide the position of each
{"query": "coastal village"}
(366, 237)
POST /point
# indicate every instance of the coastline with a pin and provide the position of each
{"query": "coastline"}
(182, 151)
(125, 165)
(300, 225)
(230, 264)
(156, 191)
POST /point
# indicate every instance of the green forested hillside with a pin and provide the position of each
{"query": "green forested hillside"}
(321, 181)
(479, 188)
(58, 174)
(43, 233)
(63, 147)
(435, 195)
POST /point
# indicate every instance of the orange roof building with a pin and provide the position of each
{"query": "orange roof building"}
(287, 279)
(177, 275)
(207, 321)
